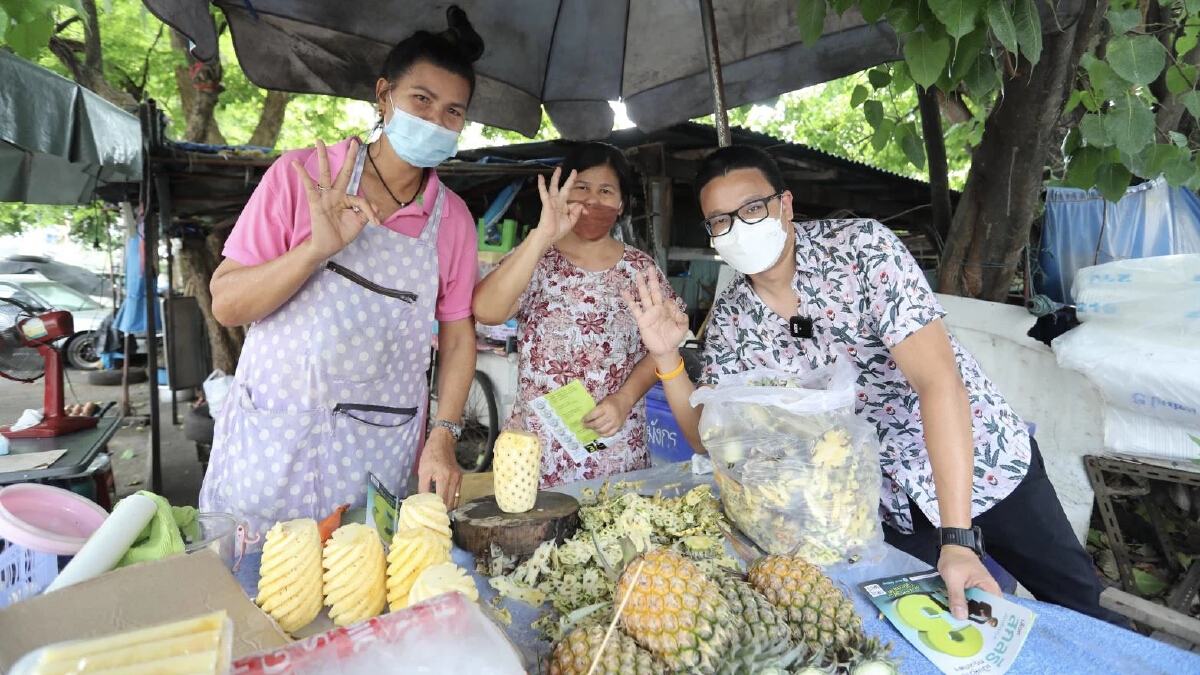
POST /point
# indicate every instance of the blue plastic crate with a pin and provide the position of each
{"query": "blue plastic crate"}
(666, 441)
(24, 572)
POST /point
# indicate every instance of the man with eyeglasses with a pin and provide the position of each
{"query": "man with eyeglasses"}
(958, 464)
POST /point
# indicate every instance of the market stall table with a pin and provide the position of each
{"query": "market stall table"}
(1061, 642)
(81, 448)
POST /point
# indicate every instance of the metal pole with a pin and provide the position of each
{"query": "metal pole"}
(151, 130)
(714, 72)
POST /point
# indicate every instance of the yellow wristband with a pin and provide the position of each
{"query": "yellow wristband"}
(671, 375)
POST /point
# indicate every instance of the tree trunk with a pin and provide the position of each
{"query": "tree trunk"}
(991, 225)
(270, 121)
(200, 87)
(939, 171)
(90, 71)
(199, 259)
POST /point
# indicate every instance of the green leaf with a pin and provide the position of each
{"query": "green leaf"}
(1155, 159)
(1088, 101)
(966, 51)
(926, 57)
(811, 17)
(873, 111)
(879, 78)
(882, 135)
(860, 94)
(1105, 81)
(914, 149)
(873, 10)
(1178, 138)
(1129, 124)
(1122, 21)
(1192, 6)
(1072, 141)
(1181, 77)
(1180, 168)
(1147, 584)
(1095, 537)
(981, 78)
(1081, 168)
(1029, 29)
(904, 16)
(959, 16)
(1072, 101)
(1191, 35)
(30, 38)
(1112, 180)
(1137, 58)
(1001, 21)
(1092, 128)
(4, 21)
(1192, 101)
(840, 6)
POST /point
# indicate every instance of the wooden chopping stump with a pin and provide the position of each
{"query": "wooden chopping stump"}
(480, 522)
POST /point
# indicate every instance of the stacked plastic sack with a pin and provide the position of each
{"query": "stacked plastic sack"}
(1139, 343)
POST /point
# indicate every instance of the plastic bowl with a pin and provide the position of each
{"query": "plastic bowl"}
(48, 519)
(216, 533)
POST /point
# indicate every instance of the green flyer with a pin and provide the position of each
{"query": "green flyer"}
(561, 413)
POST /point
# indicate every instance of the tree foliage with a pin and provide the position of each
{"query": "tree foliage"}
(1143, 64)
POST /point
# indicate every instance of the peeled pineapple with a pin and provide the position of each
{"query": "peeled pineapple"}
(426, 510)
(355, 574)
(412, 552)
(442, 578)
(290, 582)
(517, 469)
(196, 646)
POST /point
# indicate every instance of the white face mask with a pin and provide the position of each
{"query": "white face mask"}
(752, 248)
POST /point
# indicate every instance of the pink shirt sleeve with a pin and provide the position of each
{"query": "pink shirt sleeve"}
(458, 260)
(265, 230)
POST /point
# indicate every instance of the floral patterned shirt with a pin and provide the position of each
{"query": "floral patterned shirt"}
(866, 294)
(573, 325)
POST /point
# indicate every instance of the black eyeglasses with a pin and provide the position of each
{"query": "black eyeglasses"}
(749, 213)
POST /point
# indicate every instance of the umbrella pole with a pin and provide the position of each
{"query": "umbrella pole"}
(709, 21)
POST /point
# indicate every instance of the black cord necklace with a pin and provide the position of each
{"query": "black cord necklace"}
(421, 184)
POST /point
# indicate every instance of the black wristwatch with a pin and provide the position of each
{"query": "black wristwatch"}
(972, 538)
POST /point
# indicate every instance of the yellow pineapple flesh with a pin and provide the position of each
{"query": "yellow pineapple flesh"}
(412, 552)
(355, 574)
(516, 471)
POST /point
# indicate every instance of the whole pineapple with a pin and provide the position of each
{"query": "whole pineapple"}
(574, 653)
(757, 620)
(819, 610)
(675, 611)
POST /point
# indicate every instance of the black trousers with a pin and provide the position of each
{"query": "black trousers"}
(1029, 535)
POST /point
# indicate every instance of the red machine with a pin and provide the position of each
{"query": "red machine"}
(27, 352)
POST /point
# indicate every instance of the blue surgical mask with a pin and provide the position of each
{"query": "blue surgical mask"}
(418, 142)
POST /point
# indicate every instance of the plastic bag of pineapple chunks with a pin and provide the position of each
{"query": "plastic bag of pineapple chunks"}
(798, 470)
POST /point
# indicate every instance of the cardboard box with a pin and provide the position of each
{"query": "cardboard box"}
(178, 587)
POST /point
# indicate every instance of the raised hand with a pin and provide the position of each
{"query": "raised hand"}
(558, 216)
(661, 323)
(337, 218)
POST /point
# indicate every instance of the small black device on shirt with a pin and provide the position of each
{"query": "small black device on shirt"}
(802, 327)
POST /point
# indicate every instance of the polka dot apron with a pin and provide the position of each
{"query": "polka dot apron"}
(331, 386)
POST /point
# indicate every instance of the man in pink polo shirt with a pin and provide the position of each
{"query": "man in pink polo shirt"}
(341, 262)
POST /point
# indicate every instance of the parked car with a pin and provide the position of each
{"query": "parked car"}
(37, 291)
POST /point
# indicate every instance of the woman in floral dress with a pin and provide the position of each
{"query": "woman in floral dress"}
(564, 286)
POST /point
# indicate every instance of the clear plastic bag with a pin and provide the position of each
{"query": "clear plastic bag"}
(425, 638)
(797, 468)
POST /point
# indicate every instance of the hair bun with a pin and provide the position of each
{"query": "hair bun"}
(461, 34)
